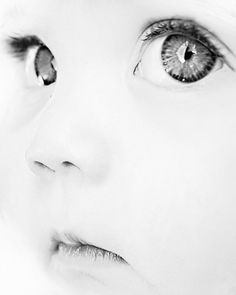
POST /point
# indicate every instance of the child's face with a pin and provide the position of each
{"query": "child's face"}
(115, 150)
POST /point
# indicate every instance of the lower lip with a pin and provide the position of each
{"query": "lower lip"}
(85, 258)
(81, 250)
(84, 252)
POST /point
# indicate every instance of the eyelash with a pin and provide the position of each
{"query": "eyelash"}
(20, 45)
(179, 26)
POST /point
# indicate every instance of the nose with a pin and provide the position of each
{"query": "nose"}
(64, 144)
(43, 160)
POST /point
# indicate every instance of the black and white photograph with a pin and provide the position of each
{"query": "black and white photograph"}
(117, 147)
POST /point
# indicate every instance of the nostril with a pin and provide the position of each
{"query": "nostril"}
(43, 166)
(68, 164)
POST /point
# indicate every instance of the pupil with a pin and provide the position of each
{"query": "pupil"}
(188, 54)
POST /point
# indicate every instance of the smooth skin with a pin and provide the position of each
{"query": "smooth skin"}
(153, 168)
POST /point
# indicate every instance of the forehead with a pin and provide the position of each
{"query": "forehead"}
(55, 7)
(117, 18)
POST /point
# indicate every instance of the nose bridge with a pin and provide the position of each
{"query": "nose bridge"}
(91, 94)
(69, 131)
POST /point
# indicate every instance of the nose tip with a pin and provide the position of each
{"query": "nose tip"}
(84, 158)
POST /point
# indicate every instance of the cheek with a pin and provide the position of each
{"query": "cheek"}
(6, 89)
(181, 183)
(184, 154)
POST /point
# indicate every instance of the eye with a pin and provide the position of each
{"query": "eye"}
(185, 59)
(178, 52)
(40, 64)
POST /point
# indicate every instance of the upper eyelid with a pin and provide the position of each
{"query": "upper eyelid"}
(180, 25)
(189, 27)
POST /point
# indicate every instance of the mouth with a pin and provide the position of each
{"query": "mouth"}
(70, 247)
(85, 266)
